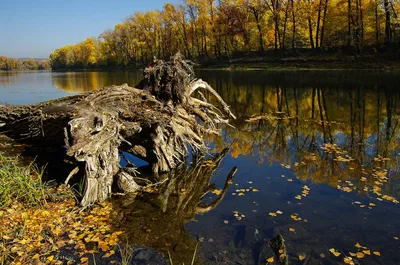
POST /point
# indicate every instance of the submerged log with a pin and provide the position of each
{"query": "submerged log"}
(160, 121)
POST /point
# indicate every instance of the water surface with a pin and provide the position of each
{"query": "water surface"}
(323, 157)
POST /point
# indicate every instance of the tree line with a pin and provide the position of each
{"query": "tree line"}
(215, 29)
(7, 64)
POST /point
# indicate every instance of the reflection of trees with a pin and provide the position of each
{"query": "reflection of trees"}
(163, 214)
(88, 81)
(297, 120)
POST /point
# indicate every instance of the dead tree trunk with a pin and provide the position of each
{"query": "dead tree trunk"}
(160, 121)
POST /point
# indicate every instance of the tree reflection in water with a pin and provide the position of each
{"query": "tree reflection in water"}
(291, 125)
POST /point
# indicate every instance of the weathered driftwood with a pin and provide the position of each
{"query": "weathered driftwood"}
(161, 121)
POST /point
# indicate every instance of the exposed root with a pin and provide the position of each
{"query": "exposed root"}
(157, 122)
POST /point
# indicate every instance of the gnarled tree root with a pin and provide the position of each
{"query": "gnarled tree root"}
(161, 122)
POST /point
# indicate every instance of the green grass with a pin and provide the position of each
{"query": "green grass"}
(22, 184)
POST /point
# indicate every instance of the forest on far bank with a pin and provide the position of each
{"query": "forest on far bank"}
(8, 64)
(206, 30)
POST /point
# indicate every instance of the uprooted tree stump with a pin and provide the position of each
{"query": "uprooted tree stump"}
(160, 121)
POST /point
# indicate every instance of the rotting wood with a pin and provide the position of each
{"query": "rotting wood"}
(161, 121)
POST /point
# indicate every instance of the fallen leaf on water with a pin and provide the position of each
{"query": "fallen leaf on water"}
(352, 254)
(255, 190)
(360, 255)
(290, 180)
(270, 260)
(226, 222)
(301, 257)
(358, 245)
(280, 251)
(367, 252)
(279, 212)
(396, 238)
(334, 252)
(217, 192)
(377, 253)
(272, 214)
(241, 194)
(348, 260)
(292, 230)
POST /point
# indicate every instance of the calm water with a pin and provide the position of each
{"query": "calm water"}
(321, 168)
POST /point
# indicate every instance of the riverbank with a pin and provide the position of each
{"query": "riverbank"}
(304, 63)
(275, 64)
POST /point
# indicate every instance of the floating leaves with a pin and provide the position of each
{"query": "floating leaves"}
(217, 192)
(295, 217)
(275, 213)
(271, 259)
(348, 260)
(334, 252)
(292, 230)
(238, 216)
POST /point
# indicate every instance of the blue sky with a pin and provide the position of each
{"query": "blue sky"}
(34, 28)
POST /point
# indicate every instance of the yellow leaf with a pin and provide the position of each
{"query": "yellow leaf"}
(270, 260)
(348, 260)
(50, 258)
(360, 255)
(367, 252)
(217, 192)
(36, 256)
(280, 251)
(395, 238)
(377, 253)
(272, 214)
(334, 252)
(301, 257)
(279, 212)
(84, 259)
(292, 230)
(358, 245)
(241, 194)
(255, 190)
(352, 254)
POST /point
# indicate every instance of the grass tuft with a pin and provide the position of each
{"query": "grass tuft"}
(21, 184)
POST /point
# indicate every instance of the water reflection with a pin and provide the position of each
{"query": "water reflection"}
(292, 122)
(158, 219)
(336, 132)
(80, 82)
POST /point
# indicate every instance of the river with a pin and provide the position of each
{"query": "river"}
(321, 167)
